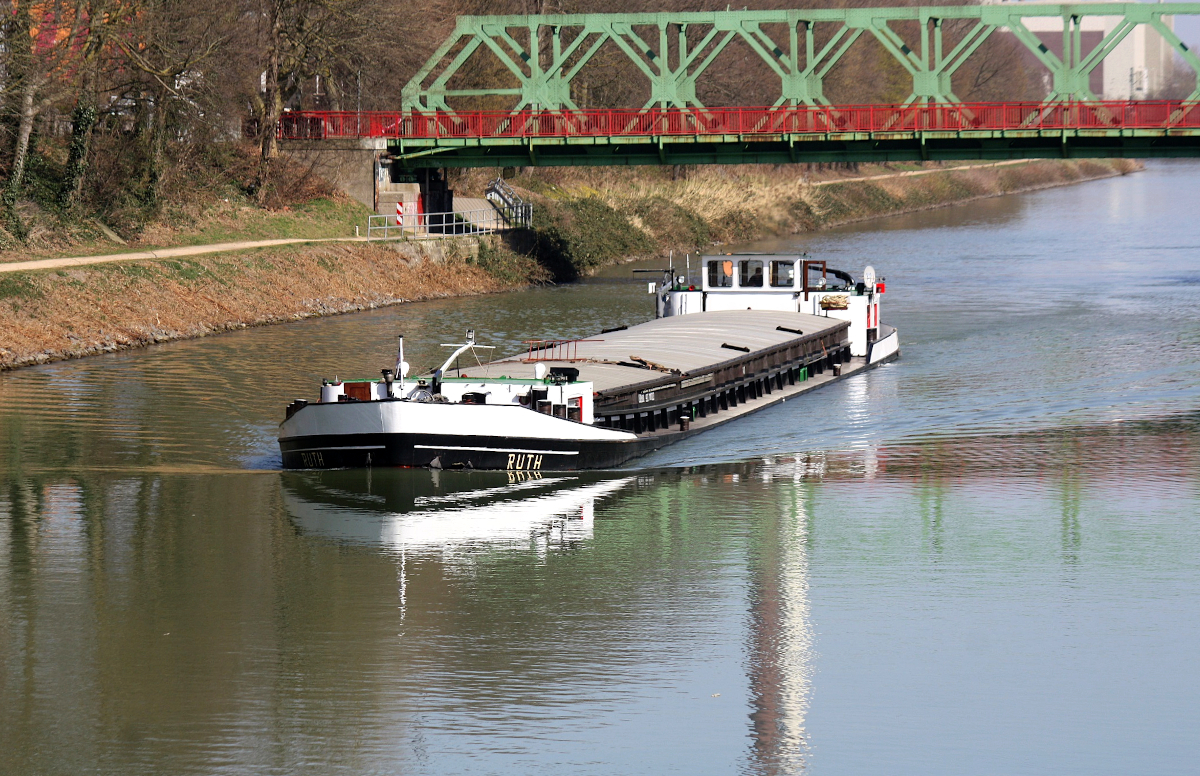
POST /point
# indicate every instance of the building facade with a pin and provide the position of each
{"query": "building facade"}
(1140, 67)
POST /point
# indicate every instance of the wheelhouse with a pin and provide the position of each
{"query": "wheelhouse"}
(786, 283)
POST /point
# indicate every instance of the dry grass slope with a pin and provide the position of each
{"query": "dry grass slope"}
(50, 316)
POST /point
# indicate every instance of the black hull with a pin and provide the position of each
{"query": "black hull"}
(351, 451)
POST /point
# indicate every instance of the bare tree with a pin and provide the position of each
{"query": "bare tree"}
(48, 46)
(170, 48)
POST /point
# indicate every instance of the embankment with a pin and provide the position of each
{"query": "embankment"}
(54, 315)
(589, 218)
(585, 219)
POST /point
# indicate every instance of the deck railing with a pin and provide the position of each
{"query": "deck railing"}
(554, 350)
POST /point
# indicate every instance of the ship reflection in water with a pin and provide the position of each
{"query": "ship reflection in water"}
(457, 521)
(431, 510)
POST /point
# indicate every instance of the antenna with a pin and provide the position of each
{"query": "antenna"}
(401, 370)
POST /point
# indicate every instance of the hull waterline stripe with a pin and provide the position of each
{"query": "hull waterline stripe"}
(498, 450)
(339, 447)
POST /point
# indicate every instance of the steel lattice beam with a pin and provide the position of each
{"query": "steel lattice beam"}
(545, 53)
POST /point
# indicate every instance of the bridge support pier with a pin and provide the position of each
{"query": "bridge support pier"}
(437, 197)
(348, 164)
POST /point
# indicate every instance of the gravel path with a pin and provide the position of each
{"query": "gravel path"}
(165, 253)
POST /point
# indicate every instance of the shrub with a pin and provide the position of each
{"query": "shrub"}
(508, 266)
(671, 223)
(573, 237)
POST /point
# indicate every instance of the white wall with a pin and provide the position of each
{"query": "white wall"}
(1137, 68)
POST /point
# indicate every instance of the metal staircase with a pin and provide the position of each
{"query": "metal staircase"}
(515, 211)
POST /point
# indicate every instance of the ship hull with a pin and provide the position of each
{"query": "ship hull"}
(446, 451)
(405, 433)
(886, 348)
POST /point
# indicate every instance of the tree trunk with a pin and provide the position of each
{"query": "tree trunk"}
(158, 149)
(24, 131)
(16, 176)
(272, 103)
(333, 94)
(83, 120)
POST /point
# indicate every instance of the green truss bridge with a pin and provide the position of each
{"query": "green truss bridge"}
(537, 62)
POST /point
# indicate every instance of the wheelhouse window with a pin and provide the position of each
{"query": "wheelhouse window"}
(720, 274)
(783, 274)
(750, 273)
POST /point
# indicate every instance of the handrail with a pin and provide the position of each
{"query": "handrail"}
(499, 189)
(803, 119)
(554, 350)
(430, 225)
(514, 210)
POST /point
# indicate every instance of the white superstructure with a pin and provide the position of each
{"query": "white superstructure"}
(784, 283)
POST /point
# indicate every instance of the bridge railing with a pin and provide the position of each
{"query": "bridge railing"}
(1108, 115)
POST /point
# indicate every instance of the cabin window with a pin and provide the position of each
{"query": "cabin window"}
(783, 274)
(720, 274)
(750, 273)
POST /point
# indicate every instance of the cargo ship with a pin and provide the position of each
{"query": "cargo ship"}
(756, 330)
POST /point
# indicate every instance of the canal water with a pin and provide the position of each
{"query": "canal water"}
(979, 559)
